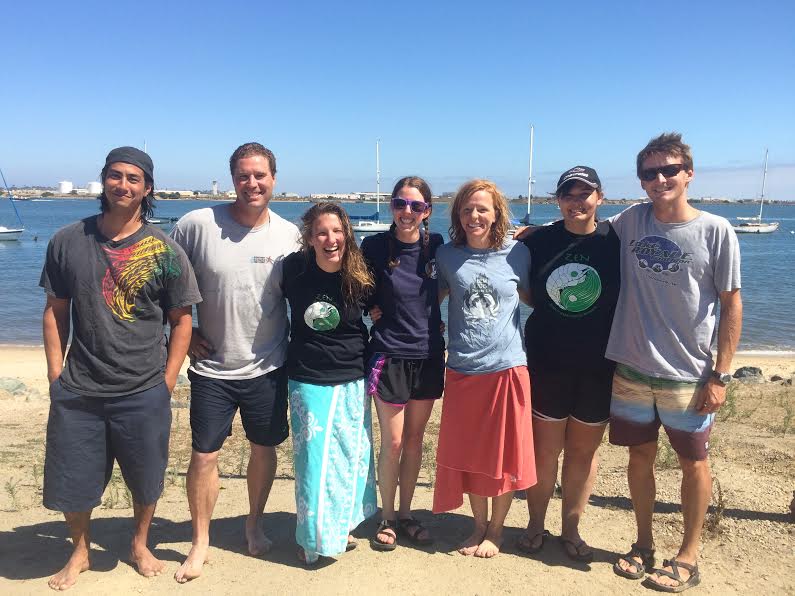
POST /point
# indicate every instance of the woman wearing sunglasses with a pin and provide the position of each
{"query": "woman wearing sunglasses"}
(574, 282)
(406, 363)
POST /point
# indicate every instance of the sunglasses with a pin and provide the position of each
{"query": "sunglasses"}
(669, 171)
(399, 204)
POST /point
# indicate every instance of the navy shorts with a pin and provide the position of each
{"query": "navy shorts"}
(86, 434)
(396, 380)
(263, 409)
(583, 395)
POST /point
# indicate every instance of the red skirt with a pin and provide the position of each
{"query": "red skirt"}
(485, 437)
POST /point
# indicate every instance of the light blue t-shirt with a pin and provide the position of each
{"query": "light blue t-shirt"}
(483, 320)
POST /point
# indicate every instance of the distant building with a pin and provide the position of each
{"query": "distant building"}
(94, 188)
(65, 187)
(215, 188)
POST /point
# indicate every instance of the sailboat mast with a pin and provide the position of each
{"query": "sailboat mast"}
(530, 178)
(764, 179)
(377, 179)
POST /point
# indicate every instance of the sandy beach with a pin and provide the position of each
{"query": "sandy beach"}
(749, 544)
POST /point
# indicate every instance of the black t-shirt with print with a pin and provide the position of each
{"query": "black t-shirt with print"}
(327, 336)
(574, 282)
(120, 294)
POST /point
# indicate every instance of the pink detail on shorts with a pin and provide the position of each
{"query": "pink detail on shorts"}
(375, 373)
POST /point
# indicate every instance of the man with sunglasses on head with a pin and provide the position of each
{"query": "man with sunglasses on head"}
(679, 267)
(238, 350)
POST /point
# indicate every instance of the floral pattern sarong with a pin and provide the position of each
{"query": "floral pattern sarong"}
(333, 464)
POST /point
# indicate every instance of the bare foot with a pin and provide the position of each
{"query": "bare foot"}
(192, 567)
(66, 577)
(490, 546)
(470, 545)
(147, 564)
(258, 543)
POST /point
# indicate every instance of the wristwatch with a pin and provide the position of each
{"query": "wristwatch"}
(722, 378)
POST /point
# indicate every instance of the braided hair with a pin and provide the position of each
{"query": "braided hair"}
(425, 190)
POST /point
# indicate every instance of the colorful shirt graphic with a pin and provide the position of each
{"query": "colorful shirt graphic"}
(574, 287)
(659, 254)
(322, 315)
(130, 268)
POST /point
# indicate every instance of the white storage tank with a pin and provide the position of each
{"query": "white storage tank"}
(65, 187)
(94, 188)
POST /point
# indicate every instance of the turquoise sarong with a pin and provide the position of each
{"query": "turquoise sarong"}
(333, 464)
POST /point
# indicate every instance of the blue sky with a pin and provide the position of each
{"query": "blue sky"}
(450, 89)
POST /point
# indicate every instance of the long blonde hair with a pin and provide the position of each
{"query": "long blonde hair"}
(357, 281)
(499, 230)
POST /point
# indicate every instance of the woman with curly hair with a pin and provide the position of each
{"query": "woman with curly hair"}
(326, 284)
(486, 434)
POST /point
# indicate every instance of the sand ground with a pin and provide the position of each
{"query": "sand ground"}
(749, 545)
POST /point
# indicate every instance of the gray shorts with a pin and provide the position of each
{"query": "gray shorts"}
(86, 434)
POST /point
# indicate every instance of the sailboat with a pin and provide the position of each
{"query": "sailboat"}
(371, 224)
(755, 225)
(14, 233)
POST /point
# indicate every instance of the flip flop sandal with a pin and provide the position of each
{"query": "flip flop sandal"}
(575, 553)
(386, 524)
(693, 580)
(411, 528)
(646, 556)
(352, 544)
(525, 543)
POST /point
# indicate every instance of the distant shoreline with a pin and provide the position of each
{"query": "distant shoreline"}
(385, 199)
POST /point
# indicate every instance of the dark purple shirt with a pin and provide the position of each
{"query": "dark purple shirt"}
(408, 296)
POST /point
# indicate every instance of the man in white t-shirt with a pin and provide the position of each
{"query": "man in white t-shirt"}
(238, 351)
(679, 267)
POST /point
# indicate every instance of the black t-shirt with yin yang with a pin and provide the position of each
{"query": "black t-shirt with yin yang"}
(327, 336)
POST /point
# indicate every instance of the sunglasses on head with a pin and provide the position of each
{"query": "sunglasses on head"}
(668, 171)
(399, 204)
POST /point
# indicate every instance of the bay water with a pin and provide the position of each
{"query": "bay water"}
(768, 273)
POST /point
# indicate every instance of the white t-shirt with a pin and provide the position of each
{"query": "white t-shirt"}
(244, 314)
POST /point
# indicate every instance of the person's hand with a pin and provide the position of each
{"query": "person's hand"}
(171, 382)
(710, 397)
(375, 313)
(520, 232)
(199, 348)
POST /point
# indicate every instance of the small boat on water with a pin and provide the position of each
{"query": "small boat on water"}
(755, 225)
(372, 224)
(163, 222)
(11, 233)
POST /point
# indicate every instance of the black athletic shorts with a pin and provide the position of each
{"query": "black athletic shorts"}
(263, 409)
(86, 434)
(396, 380)
(577, 393)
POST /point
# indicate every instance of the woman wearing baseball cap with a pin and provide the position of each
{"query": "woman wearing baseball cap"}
(574, 283)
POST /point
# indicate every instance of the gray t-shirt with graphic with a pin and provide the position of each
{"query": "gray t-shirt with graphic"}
(244, 314)
(671, 277)
(483, 320)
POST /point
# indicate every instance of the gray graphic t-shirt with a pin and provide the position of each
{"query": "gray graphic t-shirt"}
(671, 279)
(483, 320)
